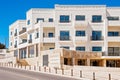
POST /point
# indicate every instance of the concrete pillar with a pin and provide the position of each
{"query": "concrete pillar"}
(104, 63)
(88, 62)
(73, 61)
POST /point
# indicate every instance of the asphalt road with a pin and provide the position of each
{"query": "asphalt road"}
(15, 74)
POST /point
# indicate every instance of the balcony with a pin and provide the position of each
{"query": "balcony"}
(44, 24)
(36, 37)
(81, 24)
(49, 39)
(23, 42)
(114, 23)
(22, 31)
(30, 41)
(15, 46)
(64, 38)
(15, 34)
(113, 38)
(81, 38)
(92, 38)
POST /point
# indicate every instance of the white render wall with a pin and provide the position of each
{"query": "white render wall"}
(72, 10)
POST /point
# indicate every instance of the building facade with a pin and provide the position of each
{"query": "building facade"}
(84, 28)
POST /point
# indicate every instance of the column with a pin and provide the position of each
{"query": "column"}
(73, 61)
(104, 63)
(88, 62)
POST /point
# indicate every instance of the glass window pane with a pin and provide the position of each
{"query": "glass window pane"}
(80, 17)
(96, 18)
(80, 48)
(96, 48)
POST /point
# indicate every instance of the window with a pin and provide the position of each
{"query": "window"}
(80, 48)
(24, 40)
(64, 35)
(96, 18)
(50, 19)
(64, 18)
(40, 19)
(114, 51)
(50, 34)
(51, 48)
(66, 47)
(96, 35)
(111, 18)
(80, 18)
(43, 34)
(28, 22)
(31, 51)
(37, 35)
(30, 36)
(16, 53)
(15, 30)
(11, 33)
(15, 42)
(80, 33)
(96, 48)
(11, 43)
(113, 33)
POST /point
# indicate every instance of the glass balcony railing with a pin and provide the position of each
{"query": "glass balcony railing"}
(15, 46)
(30, 41)
(64, 38)
(93, 38)
(22, 31)
(15, 34)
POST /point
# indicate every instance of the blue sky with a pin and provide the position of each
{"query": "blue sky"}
(11, 10)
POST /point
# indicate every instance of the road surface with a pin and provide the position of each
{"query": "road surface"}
(15, 74)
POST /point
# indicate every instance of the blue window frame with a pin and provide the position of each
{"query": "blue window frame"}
(96, 18)
(40, 19)
(64, 35)
(80, 18)
(50, 34)
(96, 35)
(80, 33)
(80, 48)
(50, 19)
(95, 48)
(64, 18)
(113, 33)
(28, 22)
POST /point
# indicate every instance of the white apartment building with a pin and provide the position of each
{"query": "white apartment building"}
(84, 28)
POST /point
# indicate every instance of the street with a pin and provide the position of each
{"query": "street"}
(15, 74)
